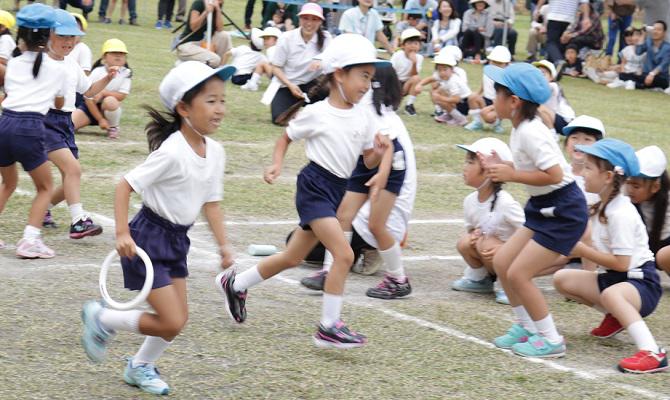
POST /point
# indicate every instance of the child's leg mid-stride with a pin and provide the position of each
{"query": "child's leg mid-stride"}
(10, 178)
(31, 245)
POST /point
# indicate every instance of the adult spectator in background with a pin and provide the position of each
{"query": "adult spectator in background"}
(423, 8)
(86, 6)
(502, 12)
(655, 10)
(446, 27)
(181, 11)
(537, 36)
(365, 21)
(477, 29)
(561, 14)
(293, 62)
(579, 35)
(132, 11)
(249, 12)
(655, 69)
(619, 17)
(288, 13)
(193, 37)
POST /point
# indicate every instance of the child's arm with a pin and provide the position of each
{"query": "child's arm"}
(100, 85)
(273, 171)
(226, 56)
(425, 81)
(96, 113)
(379, 180)
(507, 173)
(59, 102)
(609, 261)
(125, 245)
(214, 217)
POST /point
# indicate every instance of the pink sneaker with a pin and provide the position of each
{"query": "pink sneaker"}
(33, 249)
(443, 118)
(113, 132)
(459, 120)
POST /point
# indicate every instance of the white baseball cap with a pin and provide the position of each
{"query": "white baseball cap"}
(548, 65)
(455, 51)
(270, 31)
(500, 54)
(584, 121)
(487, 146)
(652, 161)
(346, 50)
(409, 33)
(445, 59)
(256, 38)
(185, 77)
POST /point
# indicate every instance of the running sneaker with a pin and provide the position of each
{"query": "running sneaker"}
(372, 262)
(457, 120)
(84, 227)
(539, 347)
(145, 377)
(338, 336)
(468, 285)
(409, 110)
(95, 338)
(159, 25)
(315, 281)
(474, 126)
(645, 362)
(515, 334)
(34, 248)
(443, 117)
(113, 132)
(48, 221)
(609, 327)
(630, 85)
(498, 128)
(167, 24)
(390, 288)
(501, 297)
(250, 86)
(617, 83)
(235, 301)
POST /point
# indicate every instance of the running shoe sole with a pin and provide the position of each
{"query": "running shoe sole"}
(651, 371)
(219, 286)
(327, 344)
(608, 336)
(81, 235)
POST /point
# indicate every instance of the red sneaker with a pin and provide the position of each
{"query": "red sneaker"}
(609, 327)
(645, 362)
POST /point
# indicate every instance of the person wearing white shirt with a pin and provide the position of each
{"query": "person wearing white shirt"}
(81, 53)
(250, 63)
(561, 14)
(7, 44)
(407, 63)
(500, 57)
(502, 12)
(556, 112)
(446, 27)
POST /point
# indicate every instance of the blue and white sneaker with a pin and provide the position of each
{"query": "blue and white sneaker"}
(498, 128)
(515, 334)
(474, 126)
(145, 377)
(539, 347)
(501, 297)
(468, 285)
(95, 338)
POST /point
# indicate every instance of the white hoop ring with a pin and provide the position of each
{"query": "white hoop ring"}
(144, 293)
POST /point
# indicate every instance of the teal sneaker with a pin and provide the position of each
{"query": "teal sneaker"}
(539, 347)
(95, 338)
(501, 297)
(515, 334)
(498, 128)
(474, 126)
(468, 285)
(145, 377)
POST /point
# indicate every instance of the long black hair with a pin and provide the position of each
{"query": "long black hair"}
(386, 89)
(660, 202)
(34, 40)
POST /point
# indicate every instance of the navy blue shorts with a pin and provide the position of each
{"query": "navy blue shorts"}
(488, 101)
(165, 243)
(396, 178)
(22, 139)
(649, 287)
(59, 132)
(559, 123)
(83, 107)
(318, 195)
(463, 107)
(78, 100)
(240, 79)
(558, 218)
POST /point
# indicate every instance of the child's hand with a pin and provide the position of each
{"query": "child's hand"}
(98, 97)
(577, 250)
(295, 91)
(104, 124)
(376, 184)
(474, 237)
(112, 72)
(488, 161)
(381, 143)
(487, 254)
(501, 172)
(412, 57)
(227, 256)
(272, 173)
(125, 245)
(315, 65)
(418, 88)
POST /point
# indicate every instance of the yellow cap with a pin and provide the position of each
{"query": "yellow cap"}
(7, 19)
(114, 46)
(82, 21)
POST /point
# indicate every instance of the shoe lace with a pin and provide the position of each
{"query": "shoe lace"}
(149, 371)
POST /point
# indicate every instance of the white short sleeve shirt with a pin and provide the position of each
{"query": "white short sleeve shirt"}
(245, 59)
(354, 21)
(403, 65)
(77, 82)
(81, 53)
(506, 217)
(7, 46)
(26, 93)
(294, 56)
(121, 82)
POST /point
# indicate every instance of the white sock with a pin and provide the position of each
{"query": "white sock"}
(247, 279)
(115, 320)
(76, 212)
(410, 100)
(644, 340)
(328, 257)
(438, 109)
(151, 350)
(476, 115)
(332, 307)
(31, 233)
(393, 261)
(523, 319)
(456, 114)
(113, 117)
(475, 274)
(255, 78)
(547, 328)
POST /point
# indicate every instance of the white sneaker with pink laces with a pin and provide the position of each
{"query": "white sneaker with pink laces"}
(35, 248)
(113, 132)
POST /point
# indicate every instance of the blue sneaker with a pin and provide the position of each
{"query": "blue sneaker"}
(501, 297)
(498, 128)
(167, 24)
(468, 285)
(474, 126)
(145, 377)
(95, 338)
(159, 25)
(539, 347)
(515, 334)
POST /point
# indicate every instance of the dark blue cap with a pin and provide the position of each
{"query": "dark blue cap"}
(522, 79)
(619, 153)
(36, 16)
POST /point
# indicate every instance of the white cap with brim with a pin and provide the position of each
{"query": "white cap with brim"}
(487, 146)
(409, 33)
(652, 161)
(271, 31)
(445, 59)
(584, 122)
(185, 77)
(547, 65)
(500, 54)
(454, 51)
(347, 50)
(256, 38)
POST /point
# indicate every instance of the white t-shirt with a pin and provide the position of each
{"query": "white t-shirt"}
(77, 82)
(121, 82)
(634, 63)
(294, 56)
(455, 85)
(461, 72)
(81, 53)
(534, 148)
(245, 59)
(175, 182)
(398, 220)
(403, 65)
(269, 53)
(7, 46)
(647, 208)
(334, 137)
(624, 234)
(26, 93)
(489, 88)
(558, 103)
(354, 21)
(506, 217)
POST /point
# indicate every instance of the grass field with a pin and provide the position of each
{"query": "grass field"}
(433, 345)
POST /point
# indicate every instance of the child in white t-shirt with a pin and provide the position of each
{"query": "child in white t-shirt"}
(81, 53)
(500, 57)
(251, 64)
(407, 63)
(7, 44)
(631, 62)
(556, 112)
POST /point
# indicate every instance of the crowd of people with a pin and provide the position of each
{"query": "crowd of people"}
(603, 210)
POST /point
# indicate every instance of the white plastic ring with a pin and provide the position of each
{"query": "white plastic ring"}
(144, 293)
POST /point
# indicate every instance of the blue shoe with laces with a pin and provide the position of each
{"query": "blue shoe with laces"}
(539, 347)
(145, 377)
(95, 338)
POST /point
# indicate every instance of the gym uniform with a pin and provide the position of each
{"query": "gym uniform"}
(506, 217)
(121, 83)
(456, 86)
(245, 59)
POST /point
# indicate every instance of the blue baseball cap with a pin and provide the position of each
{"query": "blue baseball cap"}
(36, 16)
(619, 153)
(522, 79)
(68, 25)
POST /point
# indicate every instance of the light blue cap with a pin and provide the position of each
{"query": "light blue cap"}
(36, 16)
(619, 153)
(68, 25)
(522, 79)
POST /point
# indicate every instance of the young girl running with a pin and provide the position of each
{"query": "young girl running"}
(81, 53)
(32, 82)
(583, 130)
(182, 176)
(104, 109)
(491, 218)
(59, 130)
(630, 288)
(336, 132)
(556, 214)
(556, 112)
